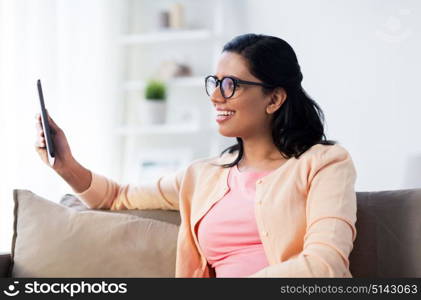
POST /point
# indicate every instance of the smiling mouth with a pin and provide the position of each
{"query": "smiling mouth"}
(225, 115)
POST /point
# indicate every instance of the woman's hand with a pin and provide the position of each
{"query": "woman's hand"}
(63, 155)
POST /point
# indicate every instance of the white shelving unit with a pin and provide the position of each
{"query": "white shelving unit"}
(164, 129)
(166, 36)
(191, 81)
(143, 47)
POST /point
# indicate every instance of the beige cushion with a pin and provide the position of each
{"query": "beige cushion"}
(52, 240)
(169, 216)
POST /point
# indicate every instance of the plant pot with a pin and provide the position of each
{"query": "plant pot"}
(152, 111)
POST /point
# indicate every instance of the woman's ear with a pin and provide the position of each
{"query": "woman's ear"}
(277, 98)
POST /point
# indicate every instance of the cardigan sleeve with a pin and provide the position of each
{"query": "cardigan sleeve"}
(331, 215)
(104, 193)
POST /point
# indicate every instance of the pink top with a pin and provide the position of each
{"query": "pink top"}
(228, 232)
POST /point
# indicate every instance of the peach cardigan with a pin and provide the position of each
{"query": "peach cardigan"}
(305, 210)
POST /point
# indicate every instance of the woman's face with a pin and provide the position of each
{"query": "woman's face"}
(249, 103)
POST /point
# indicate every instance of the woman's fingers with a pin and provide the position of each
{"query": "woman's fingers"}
(40, 143)
(40, 131)
(38, 124)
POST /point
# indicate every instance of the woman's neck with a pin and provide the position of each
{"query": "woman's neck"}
(260, 154)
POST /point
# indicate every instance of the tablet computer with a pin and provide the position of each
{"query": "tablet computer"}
(46, 126)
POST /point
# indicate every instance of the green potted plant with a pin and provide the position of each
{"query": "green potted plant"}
(154, 109)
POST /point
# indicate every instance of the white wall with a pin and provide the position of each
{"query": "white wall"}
(69, 45)
(360, 61)
(88, 79)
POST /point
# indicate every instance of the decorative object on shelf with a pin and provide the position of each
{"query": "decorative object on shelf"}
(153, 108)
(176, 16)
(164, 19)
(171, 68)
(172, 18)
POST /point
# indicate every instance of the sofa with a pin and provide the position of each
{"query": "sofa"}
(67, 239)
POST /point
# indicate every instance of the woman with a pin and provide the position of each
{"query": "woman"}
(279, 203)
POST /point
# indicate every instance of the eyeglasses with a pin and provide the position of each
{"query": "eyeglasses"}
(227, 85)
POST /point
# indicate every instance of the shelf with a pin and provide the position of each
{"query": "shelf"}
(196, 81)
(165, 36)
(158, 129)
(141, 54)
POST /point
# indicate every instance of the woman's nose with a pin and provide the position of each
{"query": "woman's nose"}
(216, 96)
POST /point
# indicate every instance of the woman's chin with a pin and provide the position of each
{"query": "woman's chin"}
(227, 133)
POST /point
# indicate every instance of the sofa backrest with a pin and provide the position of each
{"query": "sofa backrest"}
(388, 242)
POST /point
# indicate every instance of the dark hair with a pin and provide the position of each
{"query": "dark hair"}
(299, 123)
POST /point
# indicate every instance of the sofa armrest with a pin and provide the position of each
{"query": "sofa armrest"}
(5, 261)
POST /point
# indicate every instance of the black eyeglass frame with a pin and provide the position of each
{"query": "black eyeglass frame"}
(236, 83)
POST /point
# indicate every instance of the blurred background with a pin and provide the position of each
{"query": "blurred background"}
(96, 60)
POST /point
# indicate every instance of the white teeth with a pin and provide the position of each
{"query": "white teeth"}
(225, 113)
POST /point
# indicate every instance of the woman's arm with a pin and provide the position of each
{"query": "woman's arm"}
(331, 215)
(77, 176)
(104, 193)
(98, 191)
